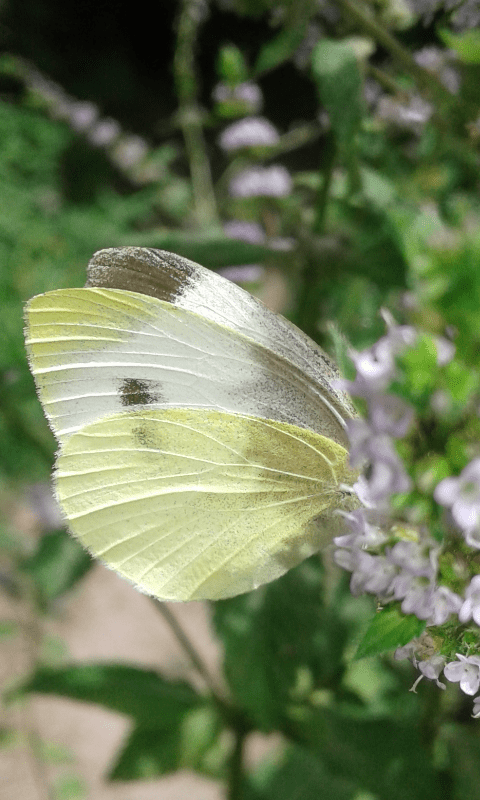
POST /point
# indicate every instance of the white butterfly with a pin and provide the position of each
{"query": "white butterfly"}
(202, 443)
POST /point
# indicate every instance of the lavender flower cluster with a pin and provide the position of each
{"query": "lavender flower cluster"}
(252, 136)
(395, 558)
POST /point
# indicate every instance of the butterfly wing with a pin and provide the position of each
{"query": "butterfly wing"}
(95, 352)
(193, 504)
(188, 285)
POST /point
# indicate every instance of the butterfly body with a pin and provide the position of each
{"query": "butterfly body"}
(201, 438)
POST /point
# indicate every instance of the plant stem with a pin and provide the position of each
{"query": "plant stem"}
(192, 13)
(185, 642)
(307, 310)
(235, 776)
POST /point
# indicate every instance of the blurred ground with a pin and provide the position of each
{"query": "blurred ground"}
(104, 620)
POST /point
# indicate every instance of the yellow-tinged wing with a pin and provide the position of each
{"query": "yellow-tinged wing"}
(192, 504)
(95, 352)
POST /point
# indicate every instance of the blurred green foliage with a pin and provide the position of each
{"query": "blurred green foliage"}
(386, 214)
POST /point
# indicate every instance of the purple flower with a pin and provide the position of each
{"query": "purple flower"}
(244, 273)
(83, 115)
(385, 478)
(471, 604)
(466, 671)
(462, 495)
(249, 132)
(390, 414)
(411, 556)
(364, 534)
(445, 602)
(104, 132)
(245, 231)
(274, 181)
(417, 595)
(372, 574)
(247, 94)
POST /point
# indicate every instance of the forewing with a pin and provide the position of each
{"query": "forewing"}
(188, 285)
(95, 352)
(192, 505)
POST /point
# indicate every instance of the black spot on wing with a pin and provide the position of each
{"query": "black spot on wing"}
(134, 392)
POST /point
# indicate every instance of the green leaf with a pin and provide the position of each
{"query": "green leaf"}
(383, 756)
(280, 643)
(185, 744)
(59, 562)
(339, 83)
(299, 774)
(389, 629)
(231, 64)
(142, 694)
(280, 49)
(465, 44)
(463, 746)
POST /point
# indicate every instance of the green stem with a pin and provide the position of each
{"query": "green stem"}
(307, 310)
(185, 642)
(235, 771)
(190, 115)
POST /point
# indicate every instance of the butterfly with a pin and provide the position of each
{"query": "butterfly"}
(202, 440)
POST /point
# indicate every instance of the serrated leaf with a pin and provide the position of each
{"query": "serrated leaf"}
(142, 694)
(389, 629)
(339, 82)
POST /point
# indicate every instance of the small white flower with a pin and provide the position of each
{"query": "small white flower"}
(462, 495)
(445, 603)
(466, 671)
(274, 181)
(432, 667)
(129, 151)
(472, 537)
(407, 651)
(476, 707)
(249, 132)
(471, 604)
(445, 350)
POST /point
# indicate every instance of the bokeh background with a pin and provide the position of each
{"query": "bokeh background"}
(325, 155)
